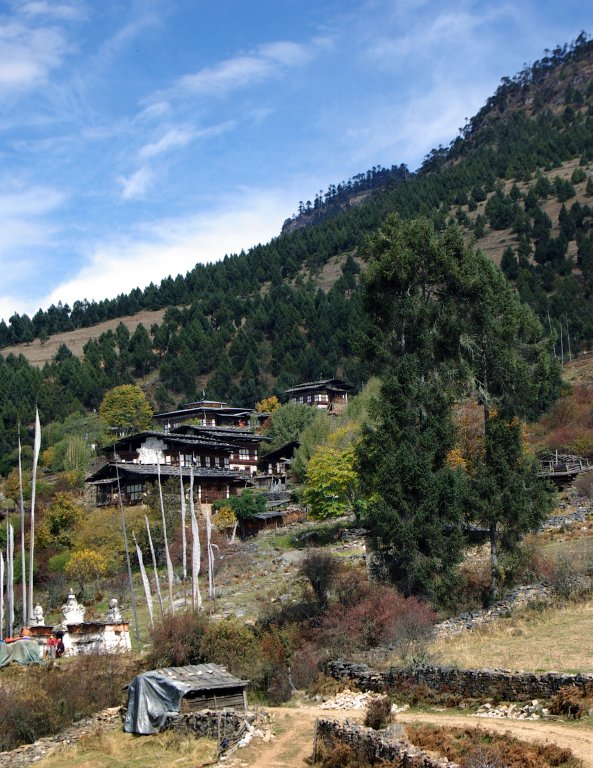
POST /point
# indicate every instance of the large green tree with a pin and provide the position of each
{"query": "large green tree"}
(511, 372)
(444, 323)
(416, 502)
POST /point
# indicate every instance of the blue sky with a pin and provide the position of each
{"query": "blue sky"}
(138, 138)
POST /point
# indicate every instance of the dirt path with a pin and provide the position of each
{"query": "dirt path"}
(294, 728)
(292, 746)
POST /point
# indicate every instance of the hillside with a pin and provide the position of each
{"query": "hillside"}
(518, 180)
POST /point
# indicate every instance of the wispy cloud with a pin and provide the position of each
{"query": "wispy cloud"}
(137, 184)
(180, 136)
(408, 132)
(426, 32)
(172, 139)
(28, 55)
(137, 259)
(54, 10)
(245, 70)
(27, 224)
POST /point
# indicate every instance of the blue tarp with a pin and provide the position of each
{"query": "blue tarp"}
(20, 652)
(152, 698)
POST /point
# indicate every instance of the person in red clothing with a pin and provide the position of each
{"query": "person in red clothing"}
(52, 645)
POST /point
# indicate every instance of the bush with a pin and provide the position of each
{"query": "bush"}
(234, 645)
(570, 577)
(569, 702)
(245, 506)
(476, 748)
(378, 713)
(305, 664)
(176, 640)
(379, 615)
(584, 485)
(320, 569)
(340, 755)
(45, 701)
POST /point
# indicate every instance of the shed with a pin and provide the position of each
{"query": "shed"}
(155, 695)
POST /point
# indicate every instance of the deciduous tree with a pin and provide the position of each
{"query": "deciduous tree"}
(126, 407)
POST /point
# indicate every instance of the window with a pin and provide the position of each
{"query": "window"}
(244, 454)
(135, 491)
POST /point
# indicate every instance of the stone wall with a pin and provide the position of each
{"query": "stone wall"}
(375, 746)
(211, 725)
(496, 684)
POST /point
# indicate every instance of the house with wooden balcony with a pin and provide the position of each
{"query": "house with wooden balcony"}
(330, 395)
(245, 444)
(207, 413)
(134, 462)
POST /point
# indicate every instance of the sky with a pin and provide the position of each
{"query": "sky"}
(138, 138)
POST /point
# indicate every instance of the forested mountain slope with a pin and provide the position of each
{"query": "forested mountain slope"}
(518, 179)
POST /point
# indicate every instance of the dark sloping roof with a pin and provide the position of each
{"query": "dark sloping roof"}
(336, 385)
(229, 435)
(168, 437)
(199, 677)
(128, 468)
(224, 410)
(285, 451)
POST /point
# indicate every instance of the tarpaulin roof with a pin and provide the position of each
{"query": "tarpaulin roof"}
(20, 652)
(154, 696)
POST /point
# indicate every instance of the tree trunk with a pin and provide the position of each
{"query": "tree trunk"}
(493, 563)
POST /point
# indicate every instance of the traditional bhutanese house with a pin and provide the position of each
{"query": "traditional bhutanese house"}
(274, 466)
(135, 461)
(328, 394)
(205, 413)
(153, 696)
(244, 444)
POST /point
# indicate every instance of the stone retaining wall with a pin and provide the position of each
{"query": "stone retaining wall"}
(498, 684)
(375, 746)
(211, 725)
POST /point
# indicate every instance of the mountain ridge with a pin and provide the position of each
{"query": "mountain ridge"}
(258, 322)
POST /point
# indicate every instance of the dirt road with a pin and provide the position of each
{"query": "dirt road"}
(294, 728)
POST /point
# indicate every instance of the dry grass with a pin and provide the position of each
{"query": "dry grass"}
(115, 749)
(38, 354)
(556, 639)
(476, 748)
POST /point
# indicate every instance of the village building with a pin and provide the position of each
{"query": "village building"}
(330, 395)
(274, 466)
(207, 413)
(245, 444)
(136, 460)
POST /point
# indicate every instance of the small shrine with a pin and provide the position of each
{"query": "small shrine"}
(112, 635)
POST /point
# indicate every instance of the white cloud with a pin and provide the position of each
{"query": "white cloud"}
(173, 138)
(27, 56)
(408, 132)
(181, 136)
(173, 247)
(27, 225)
(136, 185)
(242, 71)
(457, 30)
(63, 11)
(156, 110)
